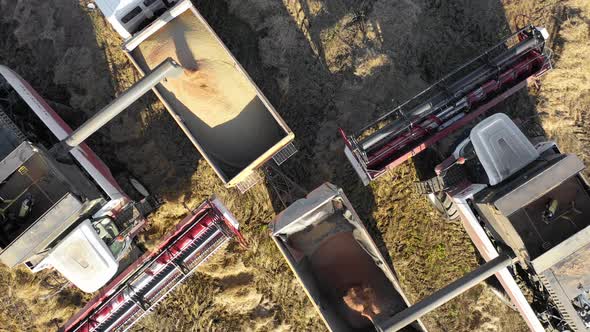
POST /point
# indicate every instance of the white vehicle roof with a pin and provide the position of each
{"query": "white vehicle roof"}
(84, 259)
(501, 147)
(127, 15)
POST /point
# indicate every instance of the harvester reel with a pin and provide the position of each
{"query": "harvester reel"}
(139, 187)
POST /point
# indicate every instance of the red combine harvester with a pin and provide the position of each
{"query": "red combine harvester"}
(448, 105)
(524, 203)
(62, 209)
(145, 283)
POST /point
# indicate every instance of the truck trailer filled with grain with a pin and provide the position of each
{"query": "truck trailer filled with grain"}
(215, 102)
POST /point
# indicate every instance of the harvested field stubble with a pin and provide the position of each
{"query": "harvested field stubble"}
(323, 64)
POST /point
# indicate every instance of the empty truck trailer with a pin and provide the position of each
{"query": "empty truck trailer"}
(215, 102)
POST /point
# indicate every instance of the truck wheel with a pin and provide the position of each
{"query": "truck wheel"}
(444, 204)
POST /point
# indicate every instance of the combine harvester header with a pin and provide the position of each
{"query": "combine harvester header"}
(448, 105)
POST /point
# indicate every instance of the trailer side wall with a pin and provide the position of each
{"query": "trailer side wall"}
(217, 104)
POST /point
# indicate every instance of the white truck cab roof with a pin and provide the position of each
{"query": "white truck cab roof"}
(126, 16)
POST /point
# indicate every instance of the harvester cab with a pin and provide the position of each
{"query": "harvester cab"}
(150, 278)
(54, 216)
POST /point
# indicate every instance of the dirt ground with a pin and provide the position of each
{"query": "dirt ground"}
(323, 64)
